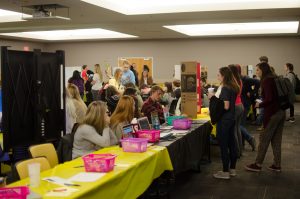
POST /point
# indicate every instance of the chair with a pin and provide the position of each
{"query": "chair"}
(45, 150)
(22, 166)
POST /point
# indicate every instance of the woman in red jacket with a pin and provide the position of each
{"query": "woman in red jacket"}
(273, 120)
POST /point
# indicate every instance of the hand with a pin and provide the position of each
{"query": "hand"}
(256, 105)
(209, 95)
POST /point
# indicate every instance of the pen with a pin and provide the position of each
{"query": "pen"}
(70, 184)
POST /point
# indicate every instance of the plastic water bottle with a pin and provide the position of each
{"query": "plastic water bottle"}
(155, 120)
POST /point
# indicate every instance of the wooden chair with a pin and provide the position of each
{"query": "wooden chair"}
(45, 150)
(22, 166)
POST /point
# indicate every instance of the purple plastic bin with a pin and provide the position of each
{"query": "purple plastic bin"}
(182, 124)
(136, 145)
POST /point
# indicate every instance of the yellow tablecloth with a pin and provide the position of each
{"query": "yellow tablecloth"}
(123, 182)
(205, 116)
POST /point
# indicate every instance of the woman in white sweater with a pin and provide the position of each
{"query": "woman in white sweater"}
(93, 133)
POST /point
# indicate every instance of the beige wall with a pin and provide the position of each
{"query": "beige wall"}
(213, 52)
(19, 45)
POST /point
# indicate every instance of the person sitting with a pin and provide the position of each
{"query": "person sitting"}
(93, 133)
(152, 104)
(122, 116)
(112, 97)
(137, 104)
(80, 106)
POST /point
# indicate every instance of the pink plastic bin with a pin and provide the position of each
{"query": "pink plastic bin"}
(99, 162)
(20, 192)
(182, 124)
(134, 145)
(151, 135)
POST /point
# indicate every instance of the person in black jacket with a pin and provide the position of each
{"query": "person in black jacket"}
(225, 125)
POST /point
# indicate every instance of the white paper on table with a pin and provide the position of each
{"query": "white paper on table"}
(122, 165)
(61, 192)
(86, 177)
(179, 131)
(166, 127)
(57, 180)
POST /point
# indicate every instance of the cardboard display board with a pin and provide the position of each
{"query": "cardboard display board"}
(190, 88)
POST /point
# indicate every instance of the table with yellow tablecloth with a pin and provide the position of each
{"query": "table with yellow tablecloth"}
(132, 174)
(204, 115)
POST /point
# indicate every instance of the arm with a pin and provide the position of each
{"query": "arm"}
(268, 92)
(132, 77)
(91, 135)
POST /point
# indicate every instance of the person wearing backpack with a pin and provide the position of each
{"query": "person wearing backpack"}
(273, 121)
(289, 68)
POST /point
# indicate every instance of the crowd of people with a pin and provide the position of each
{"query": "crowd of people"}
(238, 94)
(102, 108)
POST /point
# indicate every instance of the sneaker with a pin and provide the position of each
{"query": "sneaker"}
(274, 168)
(292, 120)
(252, 143)
(253, 167)
(232, 172)
(222, 175)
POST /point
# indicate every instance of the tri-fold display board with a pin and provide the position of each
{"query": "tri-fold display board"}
(32, 92)
(190, 88)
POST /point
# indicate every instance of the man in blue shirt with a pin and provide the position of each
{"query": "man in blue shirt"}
(127, 75)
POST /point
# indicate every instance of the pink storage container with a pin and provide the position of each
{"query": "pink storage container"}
(20, 192)
(151, 135)
(99, 162)
(182, 124)
(134, 144)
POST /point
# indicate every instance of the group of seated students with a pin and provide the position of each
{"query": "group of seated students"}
(100, 124)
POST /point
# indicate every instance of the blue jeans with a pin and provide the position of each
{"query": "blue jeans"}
(225, 136)
(245, 134)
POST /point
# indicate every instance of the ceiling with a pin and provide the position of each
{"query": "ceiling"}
(84, 15)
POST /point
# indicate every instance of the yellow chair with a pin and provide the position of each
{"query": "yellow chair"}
(22, 166)
(45, 150)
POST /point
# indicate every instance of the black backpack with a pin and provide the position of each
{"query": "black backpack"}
(297, 87)
(285, 92)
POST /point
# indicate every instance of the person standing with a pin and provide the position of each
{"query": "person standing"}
(225, 125)
(273, 120)
(97, 82)
(289, 68)
(136, 74)
(127, 75)
(146, 79)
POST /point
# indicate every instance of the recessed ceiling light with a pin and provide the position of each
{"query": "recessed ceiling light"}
(251, 28)
(136, 7)
(76, 34)
(10, 16)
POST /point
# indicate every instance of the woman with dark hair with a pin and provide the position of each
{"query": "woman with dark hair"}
(273, 120)
(112, 98)
(168, 95)
(225, 124)
(145, 78)
(77, 81)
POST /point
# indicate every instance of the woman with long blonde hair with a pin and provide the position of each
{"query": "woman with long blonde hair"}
(122, 116)
(77, 101)
(93, 133)
(116, 80)
(97, 82)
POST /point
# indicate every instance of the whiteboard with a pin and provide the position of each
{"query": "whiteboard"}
(69, 72)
